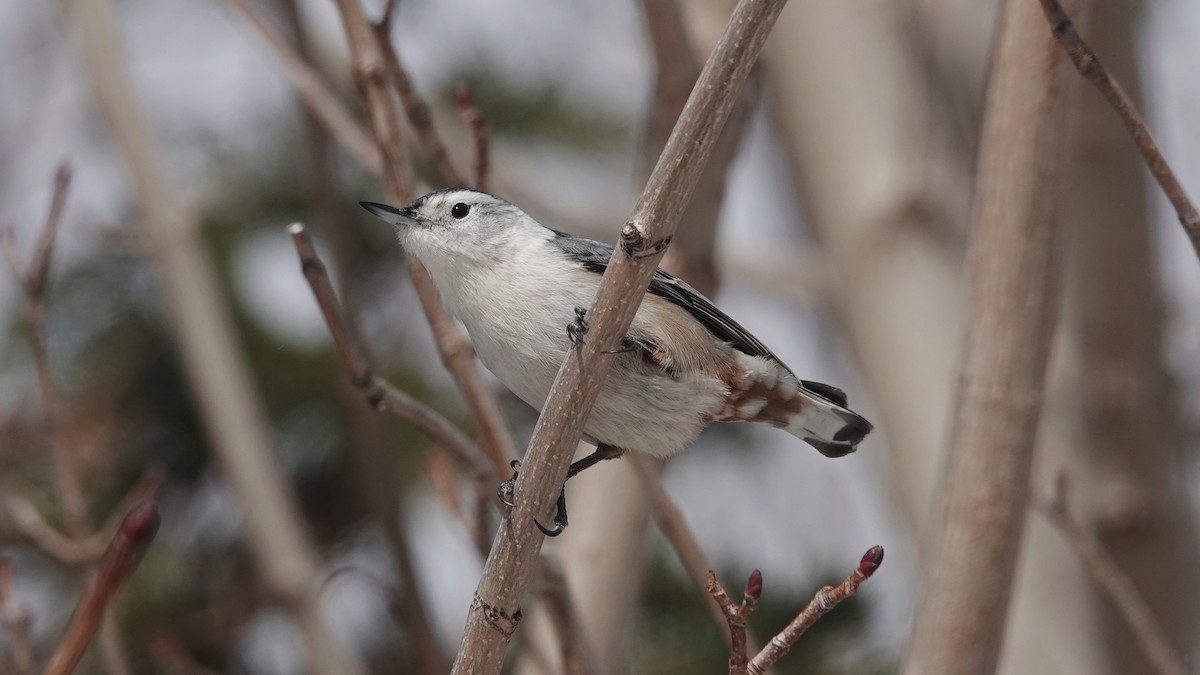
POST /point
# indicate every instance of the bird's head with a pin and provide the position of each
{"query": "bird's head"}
(455, 224)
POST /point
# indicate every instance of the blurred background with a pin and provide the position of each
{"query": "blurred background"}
(836, 227)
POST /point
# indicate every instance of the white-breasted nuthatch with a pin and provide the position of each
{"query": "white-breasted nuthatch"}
(520, 289)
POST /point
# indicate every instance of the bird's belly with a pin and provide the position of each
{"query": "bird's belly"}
(639, 407)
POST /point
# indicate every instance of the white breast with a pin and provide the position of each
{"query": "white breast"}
(517, 313)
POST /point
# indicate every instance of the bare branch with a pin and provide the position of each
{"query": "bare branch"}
(479, 131)
(736, 616)
(1115, 583)
(415, 110)
(825, 600)
(28, 521)
(1088, 65)
(315, 93)
(134, 536)
(378, 392)
(494, 613)
(1013, 296)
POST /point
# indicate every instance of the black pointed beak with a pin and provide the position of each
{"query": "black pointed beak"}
(390, 214)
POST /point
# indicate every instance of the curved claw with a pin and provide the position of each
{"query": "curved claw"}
(551, 531)
(504, 492)
(578, 328)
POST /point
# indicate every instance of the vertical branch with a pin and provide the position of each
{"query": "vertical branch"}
(217, 371)
(495, 612)
(479, 132)
(16, 623)
(1012, 271)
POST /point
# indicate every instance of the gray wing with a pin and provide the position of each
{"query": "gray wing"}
(594, 256)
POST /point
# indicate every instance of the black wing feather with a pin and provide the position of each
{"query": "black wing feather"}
(594, 257)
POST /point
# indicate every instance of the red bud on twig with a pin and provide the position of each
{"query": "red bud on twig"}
(871, 561)
(754, 585)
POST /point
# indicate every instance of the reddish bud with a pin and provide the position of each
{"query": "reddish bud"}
(140, 525)
(754, 585)
(871, 561)
(462, 95)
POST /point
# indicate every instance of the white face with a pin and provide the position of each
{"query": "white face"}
(459, 224)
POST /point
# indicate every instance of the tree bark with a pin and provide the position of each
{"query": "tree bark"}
(1012, 275)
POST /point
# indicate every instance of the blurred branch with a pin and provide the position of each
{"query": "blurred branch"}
(551, 587)
(67, 486)
(313, 90)
(378, 392)
(28, 521)
(674, 527)
(1115, 583)
(33, 284)
(477, 123)
(216, 368)
(16, 623)
(133, 537)
(825, 600)
(414, 108)
(1013, 280)
(495, 612)
(1088, 65)
(736, 616)
(456, 351)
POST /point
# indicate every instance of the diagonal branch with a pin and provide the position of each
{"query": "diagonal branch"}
(1088, 65)
(825, 600)
(136, 532)
(380, 394)
(495, 612)
(1115, 583)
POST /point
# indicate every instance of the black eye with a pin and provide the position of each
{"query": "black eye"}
(460, 210)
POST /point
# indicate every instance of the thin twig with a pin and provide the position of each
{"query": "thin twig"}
(135, 534)
(378, 392)
(825, 599)
(16, 622)
(495, 610)
(414, 108)
(683, 540)
(736, 616)
(1115, 583)
(315, 93)
(1088, 65)
(477, 123)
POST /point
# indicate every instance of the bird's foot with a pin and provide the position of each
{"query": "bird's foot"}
(560, 516)
(506, 489)
(628, 345)
(578, 328)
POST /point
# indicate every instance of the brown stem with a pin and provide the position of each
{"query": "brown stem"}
(825, 600)
(1088, 65)
(378, 392)
(736, 616)
(135, 534)
(495, 612)
(477, 123)
(1013, 279)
